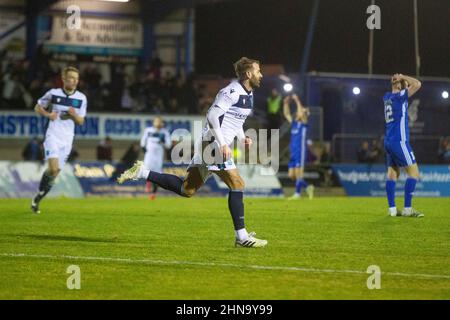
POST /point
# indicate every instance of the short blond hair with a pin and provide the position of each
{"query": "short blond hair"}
(68, 69)
(243, 65)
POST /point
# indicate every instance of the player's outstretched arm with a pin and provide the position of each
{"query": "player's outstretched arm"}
(414, 84)
(300, 108)
(286, 111)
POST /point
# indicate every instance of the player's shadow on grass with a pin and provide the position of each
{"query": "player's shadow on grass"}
(64, 238)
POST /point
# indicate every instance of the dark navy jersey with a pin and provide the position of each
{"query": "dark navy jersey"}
(396, 115)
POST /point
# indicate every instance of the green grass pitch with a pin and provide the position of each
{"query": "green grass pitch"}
(175, 248)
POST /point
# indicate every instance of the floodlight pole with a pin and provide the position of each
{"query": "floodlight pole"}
(307, 47)
(370, 59)
(416, 39)
(189, 40)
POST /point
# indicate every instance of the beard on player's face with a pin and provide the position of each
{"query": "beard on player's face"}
(255, 81)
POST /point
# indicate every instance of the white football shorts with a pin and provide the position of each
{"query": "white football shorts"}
(54, 149)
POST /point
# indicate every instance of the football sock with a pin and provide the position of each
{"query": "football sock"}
(167, 181)
(410, 186)
(47, 182)
(236, 207)
(390, 192)
(143, 173)
(299, 184)
(241, 234)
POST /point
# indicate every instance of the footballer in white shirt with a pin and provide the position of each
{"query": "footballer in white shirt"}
(225, 119)
(155, 141)
(64, 107)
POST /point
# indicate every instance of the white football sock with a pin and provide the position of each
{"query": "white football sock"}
(143, 173)
(407, 211)
(241, 234)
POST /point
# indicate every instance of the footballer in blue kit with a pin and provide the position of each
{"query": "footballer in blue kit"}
(297, 146)
(399, 153)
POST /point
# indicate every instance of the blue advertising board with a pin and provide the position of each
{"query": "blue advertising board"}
(369, 180)
(19, 124)
(99, 179)
(84, 179)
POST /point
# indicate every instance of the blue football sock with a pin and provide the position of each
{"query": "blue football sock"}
(304, 183)
(299, 184)
(410, 186)
(390, 191)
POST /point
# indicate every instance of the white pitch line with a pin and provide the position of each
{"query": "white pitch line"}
(212, 264)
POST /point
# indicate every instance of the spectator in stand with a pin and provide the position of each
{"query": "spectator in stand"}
(141, 91)
(117, 86)
(127, 102)
(104, 150)
(205, 103)
(444, 150)
(157, 105)
(311, 156)
(190, 95)
(35, 89)
(376, 151)
(12, 90)
(155, 66)
(42, 63)
(33, 151)
(163, 90)
(131, 155)
(325, 157)
(127, 161)
(365, 155)
(92, 77)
